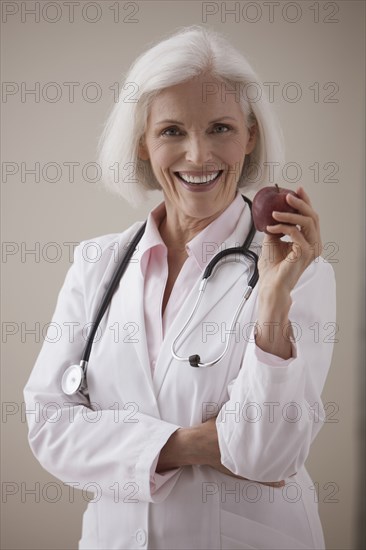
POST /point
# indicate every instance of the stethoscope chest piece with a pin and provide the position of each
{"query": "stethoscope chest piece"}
(72, 379)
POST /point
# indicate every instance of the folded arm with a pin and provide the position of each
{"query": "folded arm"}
(75, 440)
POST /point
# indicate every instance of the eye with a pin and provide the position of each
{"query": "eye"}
(172, 131)
(221, 128)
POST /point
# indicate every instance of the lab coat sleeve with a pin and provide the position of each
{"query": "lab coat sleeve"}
(76, 442)
(275, 410)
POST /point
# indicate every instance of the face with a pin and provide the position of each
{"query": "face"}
(196, 143)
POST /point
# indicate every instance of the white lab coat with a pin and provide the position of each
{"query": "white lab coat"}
(272, 412)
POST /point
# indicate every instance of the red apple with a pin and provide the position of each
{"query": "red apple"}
(265, 202)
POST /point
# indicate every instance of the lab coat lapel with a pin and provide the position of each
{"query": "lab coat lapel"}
(210, 299)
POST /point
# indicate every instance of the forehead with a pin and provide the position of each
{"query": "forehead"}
(201, 96)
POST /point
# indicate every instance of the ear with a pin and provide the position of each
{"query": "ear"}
(143, 152)
(253, 131)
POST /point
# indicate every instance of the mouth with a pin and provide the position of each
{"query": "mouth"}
(204, 180)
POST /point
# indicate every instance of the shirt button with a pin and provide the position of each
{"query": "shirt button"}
(141, 537)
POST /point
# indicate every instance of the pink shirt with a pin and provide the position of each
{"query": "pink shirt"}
(154, 267)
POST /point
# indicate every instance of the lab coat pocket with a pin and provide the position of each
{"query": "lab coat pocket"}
(238, 532)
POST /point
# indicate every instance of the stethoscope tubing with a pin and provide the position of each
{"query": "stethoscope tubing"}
(74, 379)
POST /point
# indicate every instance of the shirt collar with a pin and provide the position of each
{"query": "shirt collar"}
(204, 245)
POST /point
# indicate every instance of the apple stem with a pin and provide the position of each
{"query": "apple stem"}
(278, 189)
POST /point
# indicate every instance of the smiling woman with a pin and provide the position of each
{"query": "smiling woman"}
(195, 435)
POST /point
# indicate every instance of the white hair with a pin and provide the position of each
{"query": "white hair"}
(189, 52)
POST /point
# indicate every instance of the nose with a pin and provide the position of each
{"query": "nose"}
(198, 150)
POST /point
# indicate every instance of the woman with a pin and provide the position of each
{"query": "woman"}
(181, 457)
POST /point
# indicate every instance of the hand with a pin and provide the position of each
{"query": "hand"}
(209, 441)
(282, 263)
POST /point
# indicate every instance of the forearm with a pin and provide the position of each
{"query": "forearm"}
(197, 445)
(273, 326)
(194, 446)
(179, 450)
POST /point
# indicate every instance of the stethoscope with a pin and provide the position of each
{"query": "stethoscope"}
(74, 378)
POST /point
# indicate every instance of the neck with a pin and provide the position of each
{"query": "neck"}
(177, 229)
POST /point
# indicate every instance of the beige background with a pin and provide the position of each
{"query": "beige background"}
(38, 213)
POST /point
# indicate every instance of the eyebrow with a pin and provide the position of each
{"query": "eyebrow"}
(170, 121)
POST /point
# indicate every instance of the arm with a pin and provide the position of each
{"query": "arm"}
(79, 443)
(197, 445)
(273, 322)
(284, 394)
(278, 392)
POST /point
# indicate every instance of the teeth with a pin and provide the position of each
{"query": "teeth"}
(197, 179)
